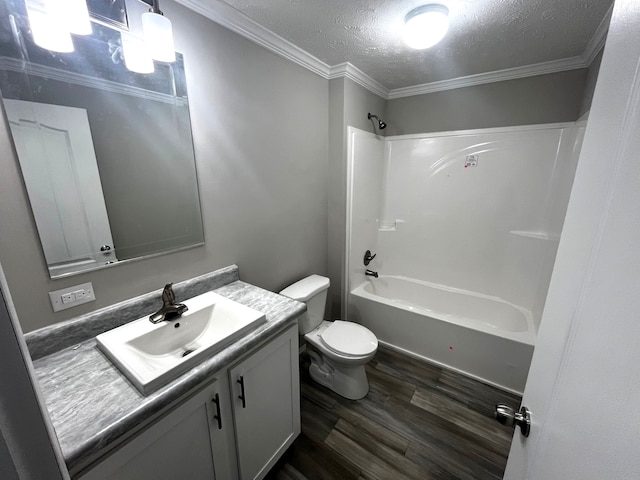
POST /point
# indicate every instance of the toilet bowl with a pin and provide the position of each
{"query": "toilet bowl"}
(338, 350)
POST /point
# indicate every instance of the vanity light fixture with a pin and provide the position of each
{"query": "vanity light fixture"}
(76, 16)
(426, 25)
(135, 52)
(158, 34)
(52, 22)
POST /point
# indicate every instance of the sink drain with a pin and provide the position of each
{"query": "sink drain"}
(187, 352)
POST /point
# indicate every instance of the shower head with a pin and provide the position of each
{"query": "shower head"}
(381, 124)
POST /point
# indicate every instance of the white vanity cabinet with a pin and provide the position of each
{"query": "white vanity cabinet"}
(266, 404)
(215, 434)
(182, 444)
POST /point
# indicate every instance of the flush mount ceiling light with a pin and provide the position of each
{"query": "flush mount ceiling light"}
(426, 25)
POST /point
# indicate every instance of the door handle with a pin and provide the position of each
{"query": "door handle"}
(241, 396)
(509, 417)
(217, 416)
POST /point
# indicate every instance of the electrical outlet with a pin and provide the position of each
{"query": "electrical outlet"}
(79, 294)
(68, 298)
(71, 296)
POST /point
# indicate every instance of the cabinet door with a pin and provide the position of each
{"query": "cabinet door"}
(222, 433)
(266, 404)
(181, 445)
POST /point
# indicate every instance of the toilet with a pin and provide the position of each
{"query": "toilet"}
(339, 350)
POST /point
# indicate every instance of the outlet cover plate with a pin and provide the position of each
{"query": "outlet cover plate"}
(71, 296)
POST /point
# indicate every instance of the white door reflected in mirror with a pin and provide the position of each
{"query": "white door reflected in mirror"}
(60, 171)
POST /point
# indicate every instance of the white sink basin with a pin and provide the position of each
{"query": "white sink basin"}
(151, 355)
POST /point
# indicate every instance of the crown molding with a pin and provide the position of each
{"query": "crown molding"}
(352, 72)
(230, 18)
(236, 21)
(596, 44)
(543, 68)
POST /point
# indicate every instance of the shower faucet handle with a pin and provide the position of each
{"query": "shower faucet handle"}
(368, 257)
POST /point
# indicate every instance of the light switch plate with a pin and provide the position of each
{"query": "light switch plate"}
(71, 296)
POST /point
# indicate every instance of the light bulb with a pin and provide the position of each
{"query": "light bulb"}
(136, 54)
(426, 25)
(48, 26)
(76, 15)
(158, 34)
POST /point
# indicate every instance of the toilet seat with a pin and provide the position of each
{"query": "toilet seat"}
(349, 339)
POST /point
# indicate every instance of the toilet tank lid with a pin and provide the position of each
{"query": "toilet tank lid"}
(306, 288)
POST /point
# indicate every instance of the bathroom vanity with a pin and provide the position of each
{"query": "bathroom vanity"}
(250, 410)
(229, 417)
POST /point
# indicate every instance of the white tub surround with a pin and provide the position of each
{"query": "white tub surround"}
(474, 216)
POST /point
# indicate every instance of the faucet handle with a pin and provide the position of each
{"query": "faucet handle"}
(368, 257)
(168, 297)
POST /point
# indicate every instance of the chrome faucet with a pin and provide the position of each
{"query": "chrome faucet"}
(170, 309)
(371, 273)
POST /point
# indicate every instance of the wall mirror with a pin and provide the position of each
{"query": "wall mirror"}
(106, 154)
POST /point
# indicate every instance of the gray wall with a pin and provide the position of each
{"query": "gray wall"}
(261, 137)
(149, 178)
(549, 98)
(349, 104)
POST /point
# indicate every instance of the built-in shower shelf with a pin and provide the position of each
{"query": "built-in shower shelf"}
(389, 226)
(534, 234)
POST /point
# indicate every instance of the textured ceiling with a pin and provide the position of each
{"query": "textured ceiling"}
(484, 35)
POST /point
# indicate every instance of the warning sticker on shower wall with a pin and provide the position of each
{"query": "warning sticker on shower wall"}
(471, 161)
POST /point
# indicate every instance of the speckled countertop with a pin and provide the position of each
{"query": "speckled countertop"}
(92, 404)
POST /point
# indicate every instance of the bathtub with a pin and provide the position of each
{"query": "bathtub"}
(482, 336)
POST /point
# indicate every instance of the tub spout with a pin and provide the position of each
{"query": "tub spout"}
(371, 273)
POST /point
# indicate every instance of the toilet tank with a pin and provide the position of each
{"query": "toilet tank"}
(311, 290)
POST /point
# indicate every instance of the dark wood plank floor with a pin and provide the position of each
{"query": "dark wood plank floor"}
(418, 421)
